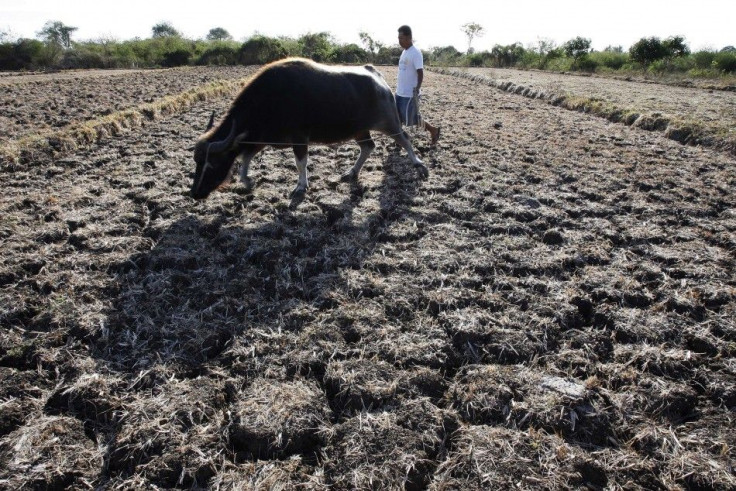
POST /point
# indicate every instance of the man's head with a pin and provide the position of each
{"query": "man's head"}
(405, 38)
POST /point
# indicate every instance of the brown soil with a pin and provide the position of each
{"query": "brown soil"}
(32, 103)
(699, 112)
(552, 308)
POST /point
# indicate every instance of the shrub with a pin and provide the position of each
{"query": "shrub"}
(586, 64)
(220, 54)
(318, 46)
(484, 58)
(25, 54)
(388, 56)
(80, 58)
(177, 57)
(507, 56)
(726, 61)
(704, 59)
(260, 50)
(610, 59)
(351, 53)
(446, 55)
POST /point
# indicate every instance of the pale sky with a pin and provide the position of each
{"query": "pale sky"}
(704, 24)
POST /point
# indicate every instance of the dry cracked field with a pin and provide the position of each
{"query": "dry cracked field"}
(553, 308)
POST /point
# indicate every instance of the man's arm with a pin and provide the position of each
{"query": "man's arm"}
(420, 78)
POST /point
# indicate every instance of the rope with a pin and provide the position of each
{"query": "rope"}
(420, 119)
(291, 144)
(419, 125)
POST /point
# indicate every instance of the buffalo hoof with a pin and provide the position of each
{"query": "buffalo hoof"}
(298, 193)
(422, 170)
(248, 184)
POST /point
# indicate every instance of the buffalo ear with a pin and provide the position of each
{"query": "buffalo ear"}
(212, 121)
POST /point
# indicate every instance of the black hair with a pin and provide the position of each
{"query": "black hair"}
(405, 30)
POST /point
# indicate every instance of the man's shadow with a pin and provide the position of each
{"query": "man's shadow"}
(210, 279)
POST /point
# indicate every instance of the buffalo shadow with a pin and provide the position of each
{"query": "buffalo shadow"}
(210, 279)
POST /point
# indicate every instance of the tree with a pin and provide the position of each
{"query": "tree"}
(676, 46)
(472, 30)
(318, 46)
(218, 34)
(507, 56)
(164, 29)
(57, 34)
(577, 48)
(648, 50)
(370, 44)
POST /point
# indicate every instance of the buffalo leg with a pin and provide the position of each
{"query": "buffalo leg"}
(301, 154)
(402, 139)
(367, 145)
(245, 157)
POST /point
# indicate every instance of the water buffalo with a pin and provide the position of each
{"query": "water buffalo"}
(294, 103)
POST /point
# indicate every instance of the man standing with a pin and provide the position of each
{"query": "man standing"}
(411, 75)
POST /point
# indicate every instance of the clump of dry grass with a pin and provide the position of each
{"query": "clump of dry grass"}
(291, 473)
(92, 398)
(52, 452)
(396, 448)
(358, 385)
(275, 419)
(489, 457)
(170, 432)
(517, 397)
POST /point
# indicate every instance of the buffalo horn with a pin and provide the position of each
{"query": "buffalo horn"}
(221, 146)
(212, 121)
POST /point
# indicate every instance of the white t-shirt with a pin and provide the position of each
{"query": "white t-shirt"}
(411, 60)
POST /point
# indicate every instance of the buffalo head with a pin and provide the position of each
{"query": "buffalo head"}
(214, 155)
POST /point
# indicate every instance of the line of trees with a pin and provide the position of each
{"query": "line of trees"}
(651, 54)
(54, 48)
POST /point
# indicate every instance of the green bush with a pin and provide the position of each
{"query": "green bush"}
(609, 59)
(351, 53)
(220, 54)
(446, 55)
(177, 57)
(260, 50)
(507, 56)
(388, 56)
(483, 58)
(24, 54)
(79, 57)
(560, 64)
(318, 47)
(704, 59)
(585, 64)
(672, 65)
(725, 61)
